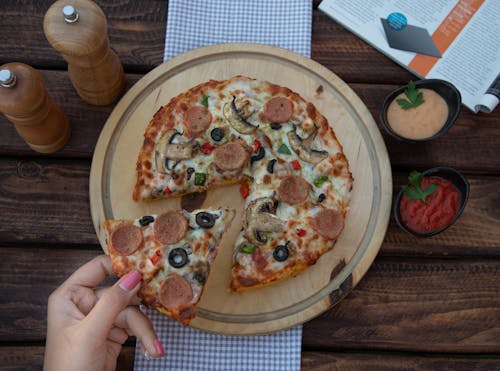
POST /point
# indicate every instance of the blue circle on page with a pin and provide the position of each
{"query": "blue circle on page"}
(397, 21)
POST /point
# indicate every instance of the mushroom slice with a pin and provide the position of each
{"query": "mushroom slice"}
(303, 147)
(260, 219)
(179, 151)
(245, 109)
(235, 120)
(168, 154)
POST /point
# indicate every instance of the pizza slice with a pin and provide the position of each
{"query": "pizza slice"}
(174, 251)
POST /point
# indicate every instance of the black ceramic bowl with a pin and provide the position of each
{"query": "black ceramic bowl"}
(446, 90)
(448, 173)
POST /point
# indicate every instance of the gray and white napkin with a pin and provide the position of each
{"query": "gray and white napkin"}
(195, 23)
(192, 24)
(188, 349)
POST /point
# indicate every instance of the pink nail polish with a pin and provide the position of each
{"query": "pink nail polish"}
(130, 280)
(159, 348)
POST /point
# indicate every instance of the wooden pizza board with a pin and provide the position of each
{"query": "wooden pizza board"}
(321, 286)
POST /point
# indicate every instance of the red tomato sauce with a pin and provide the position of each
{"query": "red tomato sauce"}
(438, 210)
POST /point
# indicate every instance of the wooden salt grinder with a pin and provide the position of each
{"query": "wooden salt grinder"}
(25, 102)
(79, 32)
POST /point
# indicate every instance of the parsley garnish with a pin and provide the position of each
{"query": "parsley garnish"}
(204, 101)
(415, 192)
(415, 97)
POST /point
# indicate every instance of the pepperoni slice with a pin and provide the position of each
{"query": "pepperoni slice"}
(293, 189)
(175, 292)
(278, 110)
(198, 119)
(328, 223)
(230, 156)
(170, 227)
(126, 239)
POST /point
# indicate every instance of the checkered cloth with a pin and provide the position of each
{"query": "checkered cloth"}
(195, 23)
(192, 24)
(188, 349)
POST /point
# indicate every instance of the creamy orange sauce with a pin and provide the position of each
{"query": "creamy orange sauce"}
(421, 122)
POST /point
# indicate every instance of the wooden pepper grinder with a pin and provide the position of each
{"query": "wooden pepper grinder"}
(78, 30)
(25, 102)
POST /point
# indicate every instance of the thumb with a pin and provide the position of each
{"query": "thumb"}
(111, 303)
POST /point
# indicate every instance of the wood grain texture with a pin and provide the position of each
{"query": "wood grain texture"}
(137, 33)
(86, 120)
(322, 361)
(428, 306)
(30, 358)
(464, 147)
(51, 196)
(19, 358)
(43, 202)
(421, 305)
(27, 281)
(350, 57)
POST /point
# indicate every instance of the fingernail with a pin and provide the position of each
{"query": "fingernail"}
(147, 356)
(159, 348)
(130, 280)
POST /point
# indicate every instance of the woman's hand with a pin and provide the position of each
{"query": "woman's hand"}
(86, 328)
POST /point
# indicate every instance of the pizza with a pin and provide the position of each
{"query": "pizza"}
(282, 151)
(174, 251)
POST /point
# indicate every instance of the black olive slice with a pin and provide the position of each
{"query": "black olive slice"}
(259, 155)
(178, 257)
(275, 126)
(189, 172)
(146, 219)
(217, 134)
(281, 253)
(199, 277)
(205, 220)
(270, 166)
(321, 197)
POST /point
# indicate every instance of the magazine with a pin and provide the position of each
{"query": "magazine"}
(453, 40)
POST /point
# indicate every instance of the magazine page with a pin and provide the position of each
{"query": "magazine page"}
(462, 45)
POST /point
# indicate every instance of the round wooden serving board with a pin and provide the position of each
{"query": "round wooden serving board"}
(310, 293)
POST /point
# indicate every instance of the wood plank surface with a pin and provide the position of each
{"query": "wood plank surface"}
(86, 120)
(470, 145)
(420, 305)
(401, 304)
(18, 358)
(137, 33)
(51, 197)
(322, 361)
(30, 358)
(424, 304)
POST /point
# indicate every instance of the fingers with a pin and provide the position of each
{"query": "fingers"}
(118, 335)
(137, 324)
(98, 293)
(101, 318)
(92, 273)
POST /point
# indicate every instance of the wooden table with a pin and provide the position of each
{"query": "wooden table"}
(424, 304)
